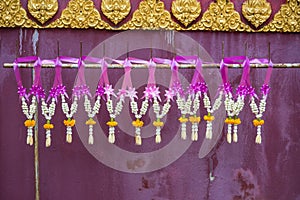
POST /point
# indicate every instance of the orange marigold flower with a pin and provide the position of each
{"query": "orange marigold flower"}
(48, 126)
(258, 122)
(237, 121)
(229, 120)
(29, 123)
(69, 122)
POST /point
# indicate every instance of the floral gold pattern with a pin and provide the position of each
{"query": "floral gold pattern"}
(186, 11)
(221, 16)
(115, 10)
(151, 14)
(256, 11)
(13, 15)
(287, 19)
(79, 14)
(42, 10)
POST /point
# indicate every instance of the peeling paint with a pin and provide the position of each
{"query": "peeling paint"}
(20, 41)
(35, 39)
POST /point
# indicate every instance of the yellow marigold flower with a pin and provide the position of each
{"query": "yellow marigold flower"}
(183, 119)
(258, 122)
(209, 118)
(158, 123)
(29, 123)
(194, 119)
(90, 122)
(229, 120)
(112, 123)
(237, 121)
(48, 126)
(69, 122)
(137, 123)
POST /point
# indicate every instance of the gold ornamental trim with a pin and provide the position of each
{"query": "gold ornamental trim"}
(221, 16)
(287, 19)
(13, 15)
(115, 10)
(79, 14)
(256, 11)
(186, 11)
(42, 10)
(152, 15)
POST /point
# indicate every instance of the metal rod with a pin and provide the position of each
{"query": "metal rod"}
(115, 66)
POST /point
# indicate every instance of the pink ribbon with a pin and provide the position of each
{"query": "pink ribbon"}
(265, 88)
(242, 88)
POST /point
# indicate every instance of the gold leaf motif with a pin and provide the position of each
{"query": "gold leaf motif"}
(12, 14)
(256, 11)
(42, 10)
(115, 10)
(79, 14)
(186, 11)
(151, 14)
(287, 19)
(221, 16)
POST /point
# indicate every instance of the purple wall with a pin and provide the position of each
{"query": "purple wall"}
(269, 171)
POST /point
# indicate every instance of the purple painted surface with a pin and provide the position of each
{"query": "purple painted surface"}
(71, 172)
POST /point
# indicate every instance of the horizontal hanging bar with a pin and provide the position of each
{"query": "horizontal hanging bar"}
(184, 66)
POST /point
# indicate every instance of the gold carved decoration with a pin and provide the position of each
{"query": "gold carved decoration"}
(42, 10)
(287, 19)
(151, 14)
(256, 11)
(221, 16)
(115, 10)
(186, 11)
(79, 14)
(13, 15)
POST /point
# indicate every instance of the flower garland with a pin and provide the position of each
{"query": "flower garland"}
(78, 90)
(259, 109)
(49, 110)
(29, 107)
(234, 106)
(159, 114)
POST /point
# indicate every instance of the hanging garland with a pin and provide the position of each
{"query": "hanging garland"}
(188, 102)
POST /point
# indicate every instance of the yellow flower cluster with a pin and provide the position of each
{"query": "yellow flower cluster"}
(137, 123)
(69, 122)
(29, 123)
(158, 123)
(112, 123)
(258, 122)
(209, 118)
(236, 121)
(90, 122)
(183, 119)
(194, 119)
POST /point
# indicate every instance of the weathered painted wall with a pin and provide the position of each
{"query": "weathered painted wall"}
(71, 172)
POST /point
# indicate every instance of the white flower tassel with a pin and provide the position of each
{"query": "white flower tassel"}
(235, 136)
(229, 139)
(91, 137)
(138, 138)
(48, 138)
(158, 135)
(183, 131)
(208, 133)
(194, 132)
(69, 134)
(111, 135)
(258, 136)
(29, 139)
